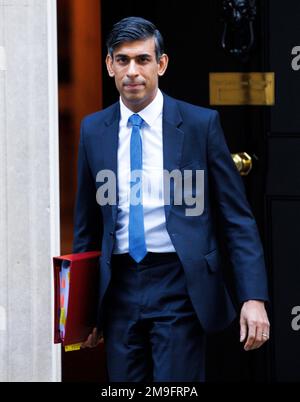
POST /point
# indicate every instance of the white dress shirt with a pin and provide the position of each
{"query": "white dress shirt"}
(156, 235)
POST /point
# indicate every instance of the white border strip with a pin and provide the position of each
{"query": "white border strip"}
(54, 217)
(2, 58)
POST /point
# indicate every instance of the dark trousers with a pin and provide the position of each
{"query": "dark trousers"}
(151, 330)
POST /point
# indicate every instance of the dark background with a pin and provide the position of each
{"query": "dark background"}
(192, 32)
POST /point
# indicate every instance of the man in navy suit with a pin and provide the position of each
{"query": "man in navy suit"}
(161, 282)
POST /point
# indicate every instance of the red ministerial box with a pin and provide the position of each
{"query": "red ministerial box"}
(83, 296)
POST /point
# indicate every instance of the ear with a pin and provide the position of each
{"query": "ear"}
(163, 64)
(109, 62)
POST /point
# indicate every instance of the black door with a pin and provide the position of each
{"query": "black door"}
(283, 187)
(193, 33)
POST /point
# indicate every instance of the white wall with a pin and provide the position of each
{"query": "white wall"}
(29, 198)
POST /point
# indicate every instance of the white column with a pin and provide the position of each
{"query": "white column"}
(29, 189)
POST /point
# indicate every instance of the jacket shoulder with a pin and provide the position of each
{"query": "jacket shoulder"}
(193, 111)
(192, 115)
(101, 116)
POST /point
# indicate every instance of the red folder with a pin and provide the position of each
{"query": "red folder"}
(82, 301)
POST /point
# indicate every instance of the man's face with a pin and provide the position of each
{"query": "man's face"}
(136, 71)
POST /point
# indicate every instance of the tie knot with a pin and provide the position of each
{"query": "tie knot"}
(136, 120)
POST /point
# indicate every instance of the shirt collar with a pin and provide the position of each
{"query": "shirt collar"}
(149, 114)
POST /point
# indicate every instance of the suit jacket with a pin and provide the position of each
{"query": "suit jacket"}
(193, 140)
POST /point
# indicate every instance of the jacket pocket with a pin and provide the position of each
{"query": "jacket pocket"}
(213, 260)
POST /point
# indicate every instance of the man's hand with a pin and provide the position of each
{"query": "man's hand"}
(254, 324)
(93, 340)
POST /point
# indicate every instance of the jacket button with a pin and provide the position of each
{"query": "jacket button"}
(108, 262)
(111, 233)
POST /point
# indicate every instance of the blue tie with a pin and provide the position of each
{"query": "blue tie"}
(137, 244)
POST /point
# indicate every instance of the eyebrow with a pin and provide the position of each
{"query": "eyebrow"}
(138, 55)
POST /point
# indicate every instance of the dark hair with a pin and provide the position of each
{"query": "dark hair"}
(134, 28)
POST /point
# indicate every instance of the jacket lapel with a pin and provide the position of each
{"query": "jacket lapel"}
(173, 138)
(110, 142)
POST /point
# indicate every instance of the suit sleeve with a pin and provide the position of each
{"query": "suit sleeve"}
(87, 217)
(238, 223)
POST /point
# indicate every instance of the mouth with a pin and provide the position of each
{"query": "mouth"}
(133, 86)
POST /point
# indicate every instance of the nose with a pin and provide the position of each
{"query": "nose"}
(132, 70)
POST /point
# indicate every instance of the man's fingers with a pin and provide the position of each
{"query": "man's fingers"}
(243, 330)
(263, 335)
(251, 337)
(93, 339)
(254, 317)
(87, 343)
(259, 337)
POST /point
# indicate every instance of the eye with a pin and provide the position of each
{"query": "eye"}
(143, 59)
(122, 59)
